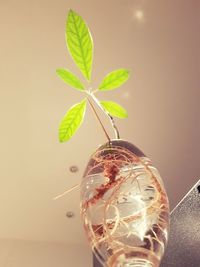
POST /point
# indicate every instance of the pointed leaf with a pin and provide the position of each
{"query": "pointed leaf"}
(69, 78)
(79, 43)
(114, 79)
(114, 109)
(72, 121)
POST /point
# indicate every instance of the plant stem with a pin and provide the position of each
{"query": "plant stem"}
(110, 117)
(97, 116)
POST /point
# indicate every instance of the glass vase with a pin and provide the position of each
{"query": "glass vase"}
(124, 207)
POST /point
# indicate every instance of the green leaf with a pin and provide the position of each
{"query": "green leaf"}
(69, 78)
(114, 79)
(114, 109)
(72, 121)
(79, 43)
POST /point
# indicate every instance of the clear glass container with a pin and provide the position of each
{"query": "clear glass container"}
(124, 207)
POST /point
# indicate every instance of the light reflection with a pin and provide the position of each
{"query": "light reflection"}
(126, 95)
(139, 15)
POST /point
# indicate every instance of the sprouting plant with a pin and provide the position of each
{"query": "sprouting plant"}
(80, 46)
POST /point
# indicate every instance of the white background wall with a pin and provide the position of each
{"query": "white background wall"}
(17, 253)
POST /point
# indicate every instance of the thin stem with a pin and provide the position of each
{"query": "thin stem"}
(99, 120)
(114, 126)
(110, 117)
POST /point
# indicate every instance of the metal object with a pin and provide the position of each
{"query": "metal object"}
(70, 214)
(73, 168)
(183, 248)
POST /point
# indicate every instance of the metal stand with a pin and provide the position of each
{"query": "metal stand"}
(183, 248)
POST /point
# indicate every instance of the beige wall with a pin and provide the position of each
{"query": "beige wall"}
(15, 253)
(162, 48)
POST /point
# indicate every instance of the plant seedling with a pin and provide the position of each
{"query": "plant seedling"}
(80, 46)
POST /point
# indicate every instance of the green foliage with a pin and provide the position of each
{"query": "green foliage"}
(114, 109)
(72, 121)
(80, 46)
(79, 43)
(114, 79)
(69, 78)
